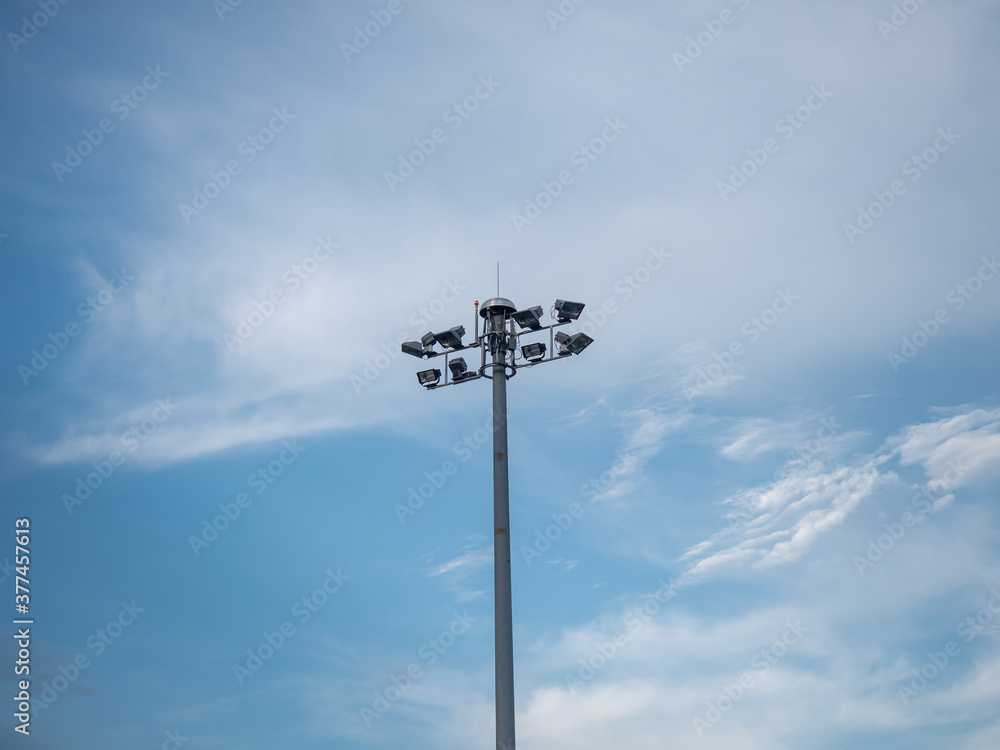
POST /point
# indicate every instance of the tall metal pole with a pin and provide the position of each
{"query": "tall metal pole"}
(499, 316)
(503, 613)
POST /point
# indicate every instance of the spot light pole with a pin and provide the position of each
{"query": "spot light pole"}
(498, 339)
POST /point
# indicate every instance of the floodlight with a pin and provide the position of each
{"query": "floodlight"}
(413, 347)
(533, 352)
(457, 367)
(429, 377)
(452, 338)
(497, 342)
(578, 342)
(530, 318)
(568, 310)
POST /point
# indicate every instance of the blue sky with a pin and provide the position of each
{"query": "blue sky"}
(758, 512)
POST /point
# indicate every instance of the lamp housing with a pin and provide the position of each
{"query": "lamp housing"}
(566, 310)
(578, 342)
(414, 347)
(452, 338)
(529, 318)
(429, 378)
(533, 352)
(457, 367)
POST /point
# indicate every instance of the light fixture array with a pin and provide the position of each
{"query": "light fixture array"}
(528, 320)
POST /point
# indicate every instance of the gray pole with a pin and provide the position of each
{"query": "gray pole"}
(501, 543)
(499, 316)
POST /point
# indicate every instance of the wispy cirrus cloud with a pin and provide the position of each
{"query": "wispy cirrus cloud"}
(776, 523)
(969, 439)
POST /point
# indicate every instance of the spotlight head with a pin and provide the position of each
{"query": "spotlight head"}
(530, 318)
(457, 367)
(565, 310)
(452, 338)
(533, 352)
(427, 340)
(578, 342)
(429, 378)
(413, 347)
(561, 339)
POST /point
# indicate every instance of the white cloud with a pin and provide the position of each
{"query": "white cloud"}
(197, 280)
(464, 563)
(957, 449)
(776, 523)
